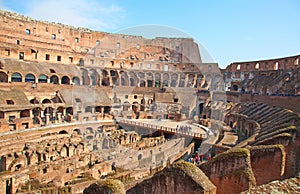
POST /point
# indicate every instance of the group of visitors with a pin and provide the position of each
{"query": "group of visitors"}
(198, 158)
(184, 128)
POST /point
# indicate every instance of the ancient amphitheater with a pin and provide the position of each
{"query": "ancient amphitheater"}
(83, 111)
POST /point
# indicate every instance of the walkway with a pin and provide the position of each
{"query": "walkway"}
(168, 126)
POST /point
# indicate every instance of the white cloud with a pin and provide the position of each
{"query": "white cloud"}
(92, 14)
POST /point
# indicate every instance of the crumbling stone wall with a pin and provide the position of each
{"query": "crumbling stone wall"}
(230, 171)
(181, 177)
(268, 163)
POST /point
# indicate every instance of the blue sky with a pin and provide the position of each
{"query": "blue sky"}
(231, 30)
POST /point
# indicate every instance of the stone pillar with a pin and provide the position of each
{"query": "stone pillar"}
(47, 118)
(186, 80)
(195, 80)
(3, 186)
(59, 117)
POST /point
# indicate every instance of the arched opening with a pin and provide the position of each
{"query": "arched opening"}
(64, 152)
(42, 79)
(85, 77)
(157, 84)
(166, 83)
(173, 83)
(140, 156)
(36, 112)
(126, 106)
(235, 87)
(54, 79)
(276, 65)
(89, 130)
(30, 78)
(69, 110)
(77, 131)
(3, 77)
(60, 110)
(63, 132)
(149, 83)
(142, 83)
(95, 78)
(114, 76)
(76, 80)
(106, 109)
(49, 111)
(98, 109)
(88, 109)
(65, 80)
(132, 82)
(18, 167)
(46, 101)
(34, 101)
(16, 77)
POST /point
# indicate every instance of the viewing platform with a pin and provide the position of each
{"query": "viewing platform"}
(166, 126)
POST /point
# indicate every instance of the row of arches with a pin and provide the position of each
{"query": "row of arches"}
(42, 78)
(112, 77)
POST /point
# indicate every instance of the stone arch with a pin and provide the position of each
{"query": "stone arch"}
(69, 110)
(124, 79)
(60, 109)
(65, 80)
(105, 78)
(235, 87)
(142, 83)
(95, 77)
(30, 78)
(199, 80)
(133, 79)
(149, 78)
(77, 131)
(140, 156)
(166, 79)
(76, 80)
(54, 79)
(43, 78)
(3, 77)
(46, 101)
(63, 132)
(71, 150)
(126, 106)
(16, 77)
(100, 129)
(64, 151)
(34, 101)
(190, 82)
(157, 81)
(88, 109)
(80, 148)
(98, 109)
(89, 130)
(182, 80)
(114, 77)
(85, 77)
(174, 78)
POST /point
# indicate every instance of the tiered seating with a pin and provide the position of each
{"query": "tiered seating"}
(273, 121)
